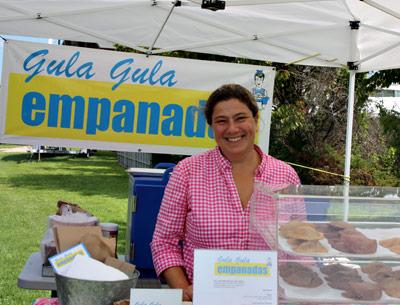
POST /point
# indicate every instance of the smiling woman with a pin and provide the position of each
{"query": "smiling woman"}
(206, 202)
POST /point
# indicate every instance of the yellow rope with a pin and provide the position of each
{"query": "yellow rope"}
(346, 178)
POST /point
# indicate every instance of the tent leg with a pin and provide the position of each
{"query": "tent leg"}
(349, 133)
(349, 130)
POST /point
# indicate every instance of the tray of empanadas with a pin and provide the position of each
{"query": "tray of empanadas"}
(336, 282)
(338, 238)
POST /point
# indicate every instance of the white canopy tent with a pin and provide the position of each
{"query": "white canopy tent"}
(361, 35)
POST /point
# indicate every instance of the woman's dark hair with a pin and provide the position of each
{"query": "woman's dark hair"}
(227, 92)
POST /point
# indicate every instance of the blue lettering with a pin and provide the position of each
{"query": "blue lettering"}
(124, 121)
(55, 67)
(37, 66)
(168, 78)
(66, 113)
(195, 125)
(210, 133)
(224, 259)
(143, 115)
(85, 70)
(70, 64)
(154, 71)
(172, 126)
(32, 103)
(96, 114)
(139, 76)
(94, 120)
(122, 76)
(121, 72)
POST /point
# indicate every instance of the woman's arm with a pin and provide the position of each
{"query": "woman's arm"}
(176, 278)
(169, 230)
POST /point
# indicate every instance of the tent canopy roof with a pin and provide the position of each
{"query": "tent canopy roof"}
(290, 31)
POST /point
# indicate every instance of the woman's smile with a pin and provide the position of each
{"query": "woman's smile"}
(234, 128)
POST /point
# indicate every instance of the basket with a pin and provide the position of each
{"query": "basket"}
(71, 291)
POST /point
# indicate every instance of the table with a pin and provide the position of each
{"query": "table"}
(31, 277)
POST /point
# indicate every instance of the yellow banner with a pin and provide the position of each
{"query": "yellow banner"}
(56, 107)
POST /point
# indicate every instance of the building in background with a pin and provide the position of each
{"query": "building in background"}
(387, 97)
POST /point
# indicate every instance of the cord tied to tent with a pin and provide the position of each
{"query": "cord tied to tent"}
(345, 177)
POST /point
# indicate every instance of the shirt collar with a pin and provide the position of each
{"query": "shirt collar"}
(224, 163)
(263, 164)
(221, 161)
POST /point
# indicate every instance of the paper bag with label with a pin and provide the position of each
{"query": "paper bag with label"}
(99, 247)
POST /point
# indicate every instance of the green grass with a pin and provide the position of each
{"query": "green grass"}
(8, 146)
(29, 192)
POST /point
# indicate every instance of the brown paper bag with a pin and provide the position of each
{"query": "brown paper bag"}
(99, 247)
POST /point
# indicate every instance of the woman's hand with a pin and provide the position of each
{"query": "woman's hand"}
(188, 293)
(176, 278)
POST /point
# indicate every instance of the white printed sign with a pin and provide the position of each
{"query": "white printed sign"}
(156, 297)
(235, 277)
(61, 261)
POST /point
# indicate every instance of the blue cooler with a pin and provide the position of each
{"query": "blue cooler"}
(146, 189)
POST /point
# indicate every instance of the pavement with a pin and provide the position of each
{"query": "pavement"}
(17, 149)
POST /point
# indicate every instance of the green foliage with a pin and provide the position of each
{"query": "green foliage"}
(309, 126)
(390, 120)
(201, 56)
(382, 79)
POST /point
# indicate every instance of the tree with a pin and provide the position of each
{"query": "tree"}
(309, 125)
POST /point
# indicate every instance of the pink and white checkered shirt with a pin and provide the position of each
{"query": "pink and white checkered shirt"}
(202, 209)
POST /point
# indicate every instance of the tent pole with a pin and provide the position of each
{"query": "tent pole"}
(349, 130)
(174, 4)
(349, 133)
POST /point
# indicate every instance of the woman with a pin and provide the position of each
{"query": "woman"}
(206, 202)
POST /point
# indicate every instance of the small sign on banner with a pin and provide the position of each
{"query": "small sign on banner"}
(156, 297)
(235, 277)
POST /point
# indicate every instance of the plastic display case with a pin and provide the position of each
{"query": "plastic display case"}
(337, 244)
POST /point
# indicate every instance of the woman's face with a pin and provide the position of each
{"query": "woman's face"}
(234, 128)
